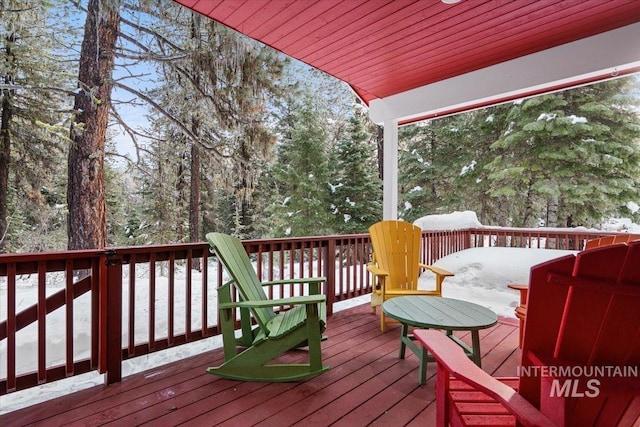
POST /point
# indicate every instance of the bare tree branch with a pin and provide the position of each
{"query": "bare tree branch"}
(186, 131)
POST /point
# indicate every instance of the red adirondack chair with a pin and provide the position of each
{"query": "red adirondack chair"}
(580, 357)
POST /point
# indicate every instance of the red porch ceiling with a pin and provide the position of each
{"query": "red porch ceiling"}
(385, 47)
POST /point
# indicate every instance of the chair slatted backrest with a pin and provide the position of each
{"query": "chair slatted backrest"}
(396, 249)
(235, 259)
(610, 240)
(584, 309)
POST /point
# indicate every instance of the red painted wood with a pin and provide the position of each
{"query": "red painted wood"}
(52, 303)
(11, 327)
(152, 303)
(367, 382)
(113, 349)
(205, 293)
(438, 243)
(69, 297)
(479, 52)
(171, 299)
(188, 296)
(558, 332)
(132, 305)
(424, 28)
(364, 43)
(42, 324)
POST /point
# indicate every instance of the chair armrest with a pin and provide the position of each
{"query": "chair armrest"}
(437, 270)
(450, 355)
(524, 291)
(372, 268)
(308, 299)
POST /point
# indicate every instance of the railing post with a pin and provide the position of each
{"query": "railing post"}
(330, 274)
(466, 239)
(111, 319)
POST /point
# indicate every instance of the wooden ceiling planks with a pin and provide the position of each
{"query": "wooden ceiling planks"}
(385, 47)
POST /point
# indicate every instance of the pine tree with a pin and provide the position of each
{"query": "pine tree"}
(433, 155)
(355, 187)
(86, 198)
(301, 174)
(216, 96)
(34, 112)
(573, 152)
(487, 125)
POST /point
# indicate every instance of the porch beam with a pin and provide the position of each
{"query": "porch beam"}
(600, 57)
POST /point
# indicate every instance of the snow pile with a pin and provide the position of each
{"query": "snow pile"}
(452, 221)
(620, 225)
(482, 275)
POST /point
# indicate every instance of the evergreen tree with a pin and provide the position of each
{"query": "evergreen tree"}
(487, 125)
(86, 198)
(216, 97)
(573, 152)
(355, 187)
(432, 156)
(34, 112)
(301, 174)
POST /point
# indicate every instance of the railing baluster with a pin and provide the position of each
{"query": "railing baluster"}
(152, 301)
(42, 322)
(132, 306)
(330, 274)
(205, 293)
(98, 273)
(69, 317)
(113, 308)
(11, 327)
(187, 296)
(171, 298)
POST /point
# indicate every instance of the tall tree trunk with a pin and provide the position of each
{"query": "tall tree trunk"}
(5, 142)
(5, 158)
(194, 184)
(87, 225)
(181, 188)
(528, 206)
(552, 211)
(194, 200)
(552, 218)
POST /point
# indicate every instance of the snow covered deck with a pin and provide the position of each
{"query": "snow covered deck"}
(367, 384)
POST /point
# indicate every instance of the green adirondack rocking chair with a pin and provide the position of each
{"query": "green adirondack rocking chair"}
(275, 332)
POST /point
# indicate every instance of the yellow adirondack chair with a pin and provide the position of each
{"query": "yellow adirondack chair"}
(396, 263)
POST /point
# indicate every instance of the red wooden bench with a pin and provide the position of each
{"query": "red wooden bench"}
(580, 356)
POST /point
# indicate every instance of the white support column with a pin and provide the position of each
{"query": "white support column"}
(390, 165)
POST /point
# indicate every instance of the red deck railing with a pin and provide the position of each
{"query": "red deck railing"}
(125, 302)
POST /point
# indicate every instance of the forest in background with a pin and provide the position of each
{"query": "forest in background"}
(238, 138)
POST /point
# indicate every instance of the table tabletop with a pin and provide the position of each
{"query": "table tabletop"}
(439, 313)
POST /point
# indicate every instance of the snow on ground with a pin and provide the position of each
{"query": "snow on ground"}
(481, 276)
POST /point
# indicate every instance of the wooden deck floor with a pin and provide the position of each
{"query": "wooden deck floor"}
(366, 385)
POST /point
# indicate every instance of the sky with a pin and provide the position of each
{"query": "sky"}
(481, 276)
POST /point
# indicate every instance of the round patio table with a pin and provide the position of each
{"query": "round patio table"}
(431, 312)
